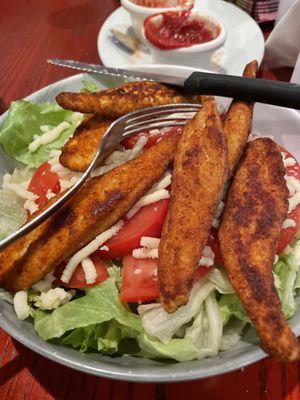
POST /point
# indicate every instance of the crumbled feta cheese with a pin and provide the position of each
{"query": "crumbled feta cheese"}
(43, 128)
(53, 298)
(89, 270)
(207, 252)
(220, 209)
(205, 261)
(45, 284)
(149, 242)
(154, 132)
(294, 201)
(208, 257)
(21, 306)
(48, 136)
(50, 194)
(65, 184)
(215, 223)
(104, 248)
(148, 199)
(54, 154)
(287, 223)
(137, 148)
(88, 250)
(145, 253)
(293, 184)
(163, 183)
(289, 162)
(137, 271)
(31, 206)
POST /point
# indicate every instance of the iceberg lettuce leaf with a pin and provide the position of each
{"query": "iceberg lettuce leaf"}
(100, 304)
(23, 124)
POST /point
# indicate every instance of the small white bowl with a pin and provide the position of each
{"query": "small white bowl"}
(194, 55)
(138, 14)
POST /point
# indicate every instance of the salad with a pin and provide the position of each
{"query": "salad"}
(108, 303)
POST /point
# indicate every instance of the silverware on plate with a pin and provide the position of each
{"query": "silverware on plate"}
(124, 127)
(282, 94)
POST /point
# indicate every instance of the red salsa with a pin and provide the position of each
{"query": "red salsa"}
(173, 30)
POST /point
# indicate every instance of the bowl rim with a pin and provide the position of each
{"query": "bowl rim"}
(55, 353)
(147, 11)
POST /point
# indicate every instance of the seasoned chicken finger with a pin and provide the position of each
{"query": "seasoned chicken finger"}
(200, 171)
(115, 102)
(237, 124)
(79, 151)
(256, 207)
(96, 207)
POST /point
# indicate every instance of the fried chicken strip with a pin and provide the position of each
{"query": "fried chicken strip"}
(79, 151)
(237, 124)
(199, 174)
(95, 208)
(256, 207)
(118, 101)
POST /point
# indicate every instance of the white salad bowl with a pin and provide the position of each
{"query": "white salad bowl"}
(138, 14)
(192, 55)
(284, 125)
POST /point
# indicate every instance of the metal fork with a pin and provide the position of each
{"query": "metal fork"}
(124, 127)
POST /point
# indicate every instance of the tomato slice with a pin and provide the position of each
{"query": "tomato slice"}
(288, 234)
(213, 242)
(78, 280)
(152, 139)
(201, 272)
(139, 280)
(42, 181)
(148, 221)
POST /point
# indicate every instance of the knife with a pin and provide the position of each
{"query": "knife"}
(247, 89)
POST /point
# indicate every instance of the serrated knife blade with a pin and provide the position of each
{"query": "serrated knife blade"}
(122, 73)
(282, 94)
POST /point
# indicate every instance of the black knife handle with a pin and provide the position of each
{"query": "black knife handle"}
(248, 89)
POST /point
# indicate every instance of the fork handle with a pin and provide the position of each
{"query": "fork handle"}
(248, 89)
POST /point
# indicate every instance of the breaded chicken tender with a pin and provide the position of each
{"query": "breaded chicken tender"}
(199, 174)
(79, 151)
(95, 208)
(257, 205)
(237, 124)
(118, 101)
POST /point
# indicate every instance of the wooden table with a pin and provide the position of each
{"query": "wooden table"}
(30, 32)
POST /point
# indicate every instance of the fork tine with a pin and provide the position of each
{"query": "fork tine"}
(145, 124)
(159, 110)
(149, 116)
(154, 126)
(113, 135)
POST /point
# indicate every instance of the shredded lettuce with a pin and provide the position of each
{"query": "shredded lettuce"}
(213, 320)
(158, 323)
(201, 339)
(24, 123)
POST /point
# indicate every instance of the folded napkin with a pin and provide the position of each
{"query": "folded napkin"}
(283, 44)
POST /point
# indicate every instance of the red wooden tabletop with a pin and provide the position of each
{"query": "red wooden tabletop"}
(30, 32)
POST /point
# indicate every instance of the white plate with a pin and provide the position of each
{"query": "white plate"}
(244, 41)
(284, 125)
